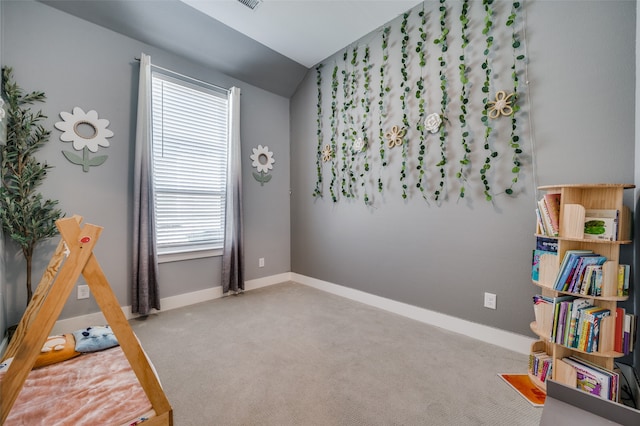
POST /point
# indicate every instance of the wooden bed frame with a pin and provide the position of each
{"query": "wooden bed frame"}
(58, 280)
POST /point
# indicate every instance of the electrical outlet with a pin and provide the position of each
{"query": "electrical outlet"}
(261, 262)
(490, 300)
(83, 292)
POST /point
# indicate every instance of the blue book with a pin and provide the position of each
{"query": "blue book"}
(568, 262)
(578, 275)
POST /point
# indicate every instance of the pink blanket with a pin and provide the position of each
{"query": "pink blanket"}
(93, 389)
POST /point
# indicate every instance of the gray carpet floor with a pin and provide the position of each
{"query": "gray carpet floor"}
(289, 354)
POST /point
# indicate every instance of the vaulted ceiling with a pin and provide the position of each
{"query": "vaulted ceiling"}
(271, 46)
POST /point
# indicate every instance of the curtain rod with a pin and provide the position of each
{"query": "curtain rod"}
(219, 88)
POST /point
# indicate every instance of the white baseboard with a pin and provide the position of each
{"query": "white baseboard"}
(506, 339)
(69, 324)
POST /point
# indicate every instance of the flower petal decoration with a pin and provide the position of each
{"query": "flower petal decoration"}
(394, 136)
(84, 129)
(327, 153)
(501, 106)
(262, 159)
(432, 122)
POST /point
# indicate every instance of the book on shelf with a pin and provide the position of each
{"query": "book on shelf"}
(601, 224)
(552, 202)
(567, 267)
(593, 379)
(619, 329)
(629, 333)
(545, 219)
(579, 272)
(540, 365)
(592, 281)
(623, 280)
(549, 245)
(578, 304)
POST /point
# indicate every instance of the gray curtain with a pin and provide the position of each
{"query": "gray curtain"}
(145, 259)
(233, 251)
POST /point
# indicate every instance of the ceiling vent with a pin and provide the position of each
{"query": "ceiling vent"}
(251, 4)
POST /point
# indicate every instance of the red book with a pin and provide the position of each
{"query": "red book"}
(617, 342)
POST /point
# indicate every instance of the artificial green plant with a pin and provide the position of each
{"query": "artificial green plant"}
(26, 217)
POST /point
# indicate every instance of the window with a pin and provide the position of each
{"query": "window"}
(190, 164)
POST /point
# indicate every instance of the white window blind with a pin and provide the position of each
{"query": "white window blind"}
(190, 165)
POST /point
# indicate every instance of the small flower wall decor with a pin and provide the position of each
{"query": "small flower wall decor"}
(327, 153)
(262, 160)
(432, 122)
(358, 146)
(87, 133)
(394, 136)
(501, 106)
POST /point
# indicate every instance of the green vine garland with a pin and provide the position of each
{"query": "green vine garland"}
(318, 190)
(514, 139)
(334, 133)
(464, 100)
(488, 25)
(346, 133)
(384, 89)
(405, 90)
(442, 41)
(353, 102)
(366, 108)
(420, 91)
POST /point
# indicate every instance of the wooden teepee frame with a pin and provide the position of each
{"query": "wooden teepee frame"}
(46, 305)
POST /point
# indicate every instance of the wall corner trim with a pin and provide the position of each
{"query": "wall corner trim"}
(506, 339)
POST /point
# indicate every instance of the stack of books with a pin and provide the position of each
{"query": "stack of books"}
(581, 273)
(540, 365)
(594, 379)
(548, 215)
(625, 331)
(570, 321)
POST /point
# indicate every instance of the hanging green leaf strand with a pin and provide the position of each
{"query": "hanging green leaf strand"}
(464, 100)
(353, 103)
(384, 89)
(334, 134)
(514, 139)
(318, 190)
(442, 41)
(488, 25)
(405, 89)
(366, 108)
(420, 92)
(346, 133)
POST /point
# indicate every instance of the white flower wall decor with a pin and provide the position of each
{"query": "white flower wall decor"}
(262, 160)
(432, 122)
(87, 133)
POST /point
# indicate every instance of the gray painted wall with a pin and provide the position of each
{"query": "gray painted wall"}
(443, 258)
(77, 63)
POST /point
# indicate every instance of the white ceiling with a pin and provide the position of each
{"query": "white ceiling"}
(306, 31)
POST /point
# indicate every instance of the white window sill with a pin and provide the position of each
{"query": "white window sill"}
(189, 255)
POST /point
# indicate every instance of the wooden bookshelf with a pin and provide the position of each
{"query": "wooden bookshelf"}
(575, 200)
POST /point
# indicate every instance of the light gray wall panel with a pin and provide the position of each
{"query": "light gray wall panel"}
(77, 63)
(443, 258)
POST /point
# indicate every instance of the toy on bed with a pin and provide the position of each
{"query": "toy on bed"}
(58, 379)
